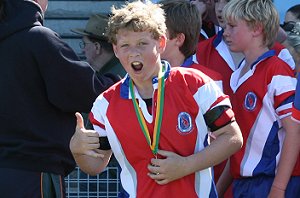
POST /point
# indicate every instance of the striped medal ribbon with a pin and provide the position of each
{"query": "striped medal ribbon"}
(159, 112)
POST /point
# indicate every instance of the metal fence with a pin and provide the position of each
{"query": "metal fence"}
(81, 185)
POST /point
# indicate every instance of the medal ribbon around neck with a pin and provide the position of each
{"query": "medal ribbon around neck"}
(159, 111)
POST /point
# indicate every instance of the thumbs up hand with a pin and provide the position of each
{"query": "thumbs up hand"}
(84, 142)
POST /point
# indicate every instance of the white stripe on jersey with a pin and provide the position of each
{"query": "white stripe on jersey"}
(257, 138)
(285, 55)
(276, 88)
(202, 184)
(98, 115)
(204, 178)
(128, 173)
(224, 52)
(206, 100)
(219, 83)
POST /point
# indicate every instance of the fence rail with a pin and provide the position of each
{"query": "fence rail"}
(104, 185)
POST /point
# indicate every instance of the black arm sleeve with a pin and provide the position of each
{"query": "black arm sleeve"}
(104, 143)
(212, 116)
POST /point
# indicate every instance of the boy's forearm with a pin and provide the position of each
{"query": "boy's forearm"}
(228, 141)
(92, 165)
(289, 153)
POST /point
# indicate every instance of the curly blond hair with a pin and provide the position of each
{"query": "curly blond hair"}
(137, 16)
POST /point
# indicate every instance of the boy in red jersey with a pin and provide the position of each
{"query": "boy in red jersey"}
(263, 91)
(156, 119)
(182, 39)
(215, 54)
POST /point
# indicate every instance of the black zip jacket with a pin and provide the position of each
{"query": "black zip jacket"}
(42, 84)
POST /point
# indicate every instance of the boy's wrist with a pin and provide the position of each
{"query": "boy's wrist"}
(278, 187)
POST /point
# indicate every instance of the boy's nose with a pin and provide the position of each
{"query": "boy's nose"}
(225, 34)
(133, 52)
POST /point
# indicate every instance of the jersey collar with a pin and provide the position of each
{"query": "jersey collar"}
(188, 62)
(264, 56)
(218, 38)
(125, 93)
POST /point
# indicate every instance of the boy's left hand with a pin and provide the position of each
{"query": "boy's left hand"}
(168, 169)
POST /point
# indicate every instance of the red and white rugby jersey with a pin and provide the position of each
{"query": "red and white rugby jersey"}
(283, 53)
(296, 105)
(215, 54)
(262, 97)
(188, 96)
(191, 63)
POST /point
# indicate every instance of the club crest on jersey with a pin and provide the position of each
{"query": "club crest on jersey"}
(250, 101)
(184, 122)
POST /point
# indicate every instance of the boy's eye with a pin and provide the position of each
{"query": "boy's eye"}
(142, 43)
(124, 45)
(230, 24)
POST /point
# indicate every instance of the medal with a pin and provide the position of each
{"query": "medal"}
(159, 111)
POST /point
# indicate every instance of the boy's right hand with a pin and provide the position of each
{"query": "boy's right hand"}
(84, 142)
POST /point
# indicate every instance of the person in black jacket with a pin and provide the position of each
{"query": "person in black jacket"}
(42, 82)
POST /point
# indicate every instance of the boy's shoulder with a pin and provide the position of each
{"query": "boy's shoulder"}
(113, 90)
(190, 76)
(274, 66)
(207, 71)
(276, 63)
(189, 81)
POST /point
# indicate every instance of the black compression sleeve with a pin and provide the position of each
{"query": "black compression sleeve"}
(104, 143)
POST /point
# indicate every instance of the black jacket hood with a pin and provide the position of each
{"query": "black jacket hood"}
(18, 16)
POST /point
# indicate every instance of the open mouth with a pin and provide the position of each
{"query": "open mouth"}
(137, 66)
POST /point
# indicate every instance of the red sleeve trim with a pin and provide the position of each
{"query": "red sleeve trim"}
(226, 117)
(296, 113)
(94, 121)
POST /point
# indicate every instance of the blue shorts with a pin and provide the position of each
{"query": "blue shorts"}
(260, 187)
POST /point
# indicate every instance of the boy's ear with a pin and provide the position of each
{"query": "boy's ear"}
(115, 50)
(257, 30)
(180, 38)
(162, 42)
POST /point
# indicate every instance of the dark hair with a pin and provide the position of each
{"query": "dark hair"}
(183, 17)
(104, 44)
(295, 10)
(2, 13)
